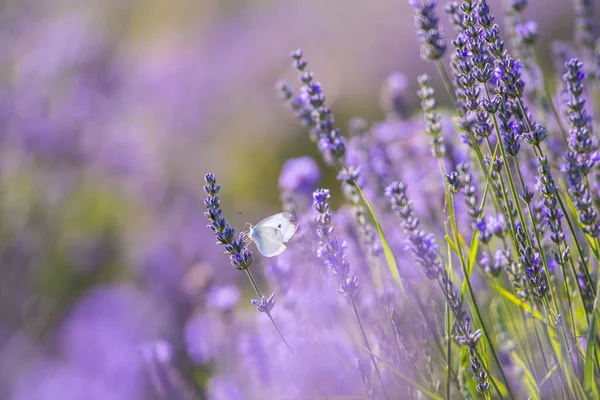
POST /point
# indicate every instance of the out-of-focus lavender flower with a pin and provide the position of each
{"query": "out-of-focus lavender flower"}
(98, 344)
(166, 380)
(432, 117)
(50, 379)
(224, 388)
(205, 338)
(452, 8)
(299, 175)
(394, 96)
(223, 297)
(527, 32)
(496, 266)
(580, 159)
(264, 305)
(587, 292)
(585, 25)
(431, 36)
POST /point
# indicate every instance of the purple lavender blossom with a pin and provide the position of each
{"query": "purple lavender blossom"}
(223, 297)
(168, 383)
(205, 338)
(527, 32)
(264, 305)
(585, 26)
(430, 35)
(330, 142)
(299, 175)
(236, 249)
(395, 96)
(331, 250)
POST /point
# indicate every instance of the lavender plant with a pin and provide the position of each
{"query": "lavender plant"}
(457, 258)
(524, 324)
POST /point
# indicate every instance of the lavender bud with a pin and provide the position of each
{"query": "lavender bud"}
(264, 305)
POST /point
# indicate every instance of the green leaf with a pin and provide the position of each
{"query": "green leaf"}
(387, 250)
(470, 263)
(589, 383)
(530, 384)
(452, 245)
(518, 302)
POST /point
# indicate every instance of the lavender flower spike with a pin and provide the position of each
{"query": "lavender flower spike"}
(264, 305)
(331, 250)
(431, 36)
(235, 248)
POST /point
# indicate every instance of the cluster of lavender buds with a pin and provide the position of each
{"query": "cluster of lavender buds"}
(235, 248)
(332, 251)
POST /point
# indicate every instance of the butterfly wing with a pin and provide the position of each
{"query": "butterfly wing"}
(282, 221)
(268, 240)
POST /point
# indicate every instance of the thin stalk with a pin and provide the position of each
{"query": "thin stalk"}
(563, 132)
(447, 82)
(434, 334)
(494, 384)
(448, 329)
(364, 335)
(485, 332)
(260, 295)
(448, 312)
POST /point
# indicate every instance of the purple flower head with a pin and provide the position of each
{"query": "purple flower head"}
(431, 36)
(205, 338)
(98, 344)
(224, 388)
(299, 175)
(264, 305)
(585, 23)
(394, 95)
(157, 351)
(527, 32)
(164, 376)
(321, 122)
(507, 72)
(422, 245)
(223, 297)
(236, 249)
(331, 250)
(497, 225)
(518, 5)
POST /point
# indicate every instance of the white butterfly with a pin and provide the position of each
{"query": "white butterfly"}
(271, 233)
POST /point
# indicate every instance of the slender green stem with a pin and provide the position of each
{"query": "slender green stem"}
(486, 334)
(447, 82)
(562, 129)
(254, 284)
(448, 328)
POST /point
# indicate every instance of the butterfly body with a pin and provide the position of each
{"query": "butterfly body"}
(271, 234)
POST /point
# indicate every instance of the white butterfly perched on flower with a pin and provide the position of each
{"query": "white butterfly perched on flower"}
(271, 234)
